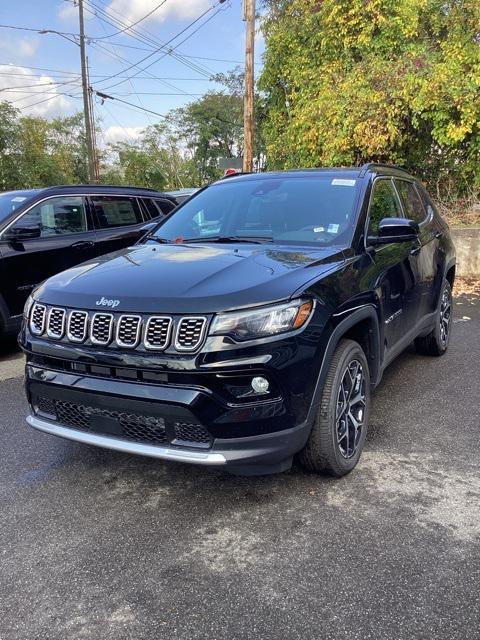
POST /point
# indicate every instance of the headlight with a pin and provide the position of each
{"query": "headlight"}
(259, 323)
(27, 307)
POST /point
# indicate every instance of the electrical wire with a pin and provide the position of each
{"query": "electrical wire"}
(167, 53)
(143, 36)
(130, 26)
(147, 57)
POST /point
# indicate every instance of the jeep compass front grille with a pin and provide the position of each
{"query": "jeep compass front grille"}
(123, 330)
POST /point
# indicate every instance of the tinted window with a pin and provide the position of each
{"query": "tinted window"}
(115, 211)
(425, 198)
(165, 206)
(12, 200)
(384, 204)
(315, 209)
(412, 204)
(150, 208)
(56, 216)
(155, 208)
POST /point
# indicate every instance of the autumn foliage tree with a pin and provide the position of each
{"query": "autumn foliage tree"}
(348, 81)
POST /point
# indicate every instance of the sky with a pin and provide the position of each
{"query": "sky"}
(39, 73)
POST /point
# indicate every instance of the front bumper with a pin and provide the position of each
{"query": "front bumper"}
(255, 455)
(116, 415)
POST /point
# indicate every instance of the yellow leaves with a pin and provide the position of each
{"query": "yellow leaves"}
(457, 132)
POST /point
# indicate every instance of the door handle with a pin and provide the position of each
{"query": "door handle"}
(438, 234)
(83, 244)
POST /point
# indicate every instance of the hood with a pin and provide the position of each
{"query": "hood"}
(188, 278)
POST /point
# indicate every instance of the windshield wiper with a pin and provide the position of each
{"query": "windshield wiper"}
(157, 239)
(246, 239)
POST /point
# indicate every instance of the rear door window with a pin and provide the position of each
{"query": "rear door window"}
(412, 204)
(427, 203)
(115, 211)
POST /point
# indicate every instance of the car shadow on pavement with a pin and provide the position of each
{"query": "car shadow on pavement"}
(9, 347)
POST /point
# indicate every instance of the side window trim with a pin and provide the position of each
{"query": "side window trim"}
(142, 208)
(399, 198)
(55, 197)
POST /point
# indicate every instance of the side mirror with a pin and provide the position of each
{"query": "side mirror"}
(18, 234)
(395, 230)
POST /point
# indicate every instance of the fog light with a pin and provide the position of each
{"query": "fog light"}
(260, 384)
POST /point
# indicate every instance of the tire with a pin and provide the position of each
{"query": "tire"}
(327, 450)
(437, 341)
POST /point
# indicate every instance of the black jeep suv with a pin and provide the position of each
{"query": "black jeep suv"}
(45, 231)
(251, 325)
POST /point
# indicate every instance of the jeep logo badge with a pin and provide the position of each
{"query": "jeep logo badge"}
(103, 302)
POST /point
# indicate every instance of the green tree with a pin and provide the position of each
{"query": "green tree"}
(346, 81)
(211, 128)
(9, 133)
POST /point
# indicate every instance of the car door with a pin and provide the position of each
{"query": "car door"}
(425, 256)
(118, 220)
(66, 238)
(394, 278)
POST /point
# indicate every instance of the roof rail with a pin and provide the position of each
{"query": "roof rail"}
(99, 186)
(369, 165)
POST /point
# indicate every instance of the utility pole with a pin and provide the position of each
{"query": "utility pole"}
(89, 131)
(96, 168)
(248, 108)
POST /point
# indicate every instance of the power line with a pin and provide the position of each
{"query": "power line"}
(139, 62)
(105, 96)
(127, 78)
(38, 84)
(139, 36)
(168, 52)
(130, 26)
(21, 66)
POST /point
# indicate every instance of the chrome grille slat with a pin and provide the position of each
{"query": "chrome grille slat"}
(56, 323)
(101, 328)
(157, 332)
(128, 331)
(190, 333)
(77, 326)
(37, 319)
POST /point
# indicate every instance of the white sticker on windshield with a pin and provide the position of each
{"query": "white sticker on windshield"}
(318, 230)
(343, 182)
(333, 228)
(19, 199)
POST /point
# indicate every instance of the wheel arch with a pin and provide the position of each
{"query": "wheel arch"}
(361, 325)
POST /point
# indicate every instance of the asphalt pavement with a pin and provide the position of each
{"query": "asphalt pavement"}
(100, 545)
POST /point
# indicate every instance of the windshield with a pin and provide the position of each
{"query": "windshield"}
(11, 200)
(314, 209)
